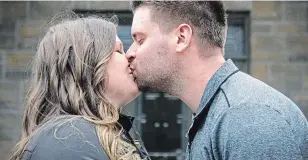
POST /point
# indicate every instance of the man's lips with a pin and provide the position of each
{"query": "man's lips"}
(132, 69)
(133, 72)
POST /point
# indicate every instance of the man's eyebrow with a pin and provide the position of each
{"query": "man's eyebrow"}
(135, 35)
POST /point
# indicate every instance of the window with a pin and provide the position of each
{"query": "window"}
(237, 44)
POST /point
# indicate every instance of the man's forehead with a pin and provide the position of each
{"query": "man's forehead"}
(141, 20)
(142, 13)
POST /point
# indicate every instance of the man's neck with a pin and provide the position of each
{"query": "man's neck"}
(195, 78)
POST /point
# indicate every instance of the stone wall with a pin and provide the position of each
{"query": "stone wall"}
(278, 36)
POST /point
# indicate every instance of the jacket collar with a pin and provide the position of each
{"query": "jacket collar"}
(211, 89)
(126, 122)
(220, 76)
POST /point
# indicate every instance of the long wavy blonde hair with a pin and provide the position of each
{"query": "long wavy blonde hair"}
(68, 79)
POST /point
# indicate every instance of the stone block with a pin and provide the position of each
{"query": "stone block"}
(285, 68)
(238, 5)
(301, 100)
(295, 4)
(42, 10)
(14, 9)
(17, 75)
(287, 74)
(19, 60)
(271, 44)
(288, 28)
(1, 13)
(298, 41)
(293, 83)
(304, 108)
(266, 10)
(259, 71)
(2, 56)
(18, 64)
(6, 41)
(305, 82)
(9, 86)
(267, 56)
(277, 83)
(301, 97)
(11, 108)
(6, 149)
(9, 98)
(2, 71)
(30, 29)
(305, 75)
(268, 48)
(7, 27)
(296, 48)
(297, 57)
(297, 13)
(28, 44)
(100, 5)
(260, 28)
(11, 125)
(276, 73)
(5, 136)
(2, 64)
(106, 5)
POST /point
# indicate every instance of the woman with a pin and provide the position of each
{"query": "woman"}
(81, 79)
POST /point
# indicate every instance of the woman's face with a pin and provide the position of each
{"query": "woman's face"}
(120, 85)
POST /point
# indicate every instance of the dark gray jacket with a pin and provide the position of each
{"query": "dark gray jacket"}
(72, 139)
(242, 118)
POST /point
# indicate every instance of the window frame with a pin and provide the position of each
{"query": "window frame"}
(243, 16)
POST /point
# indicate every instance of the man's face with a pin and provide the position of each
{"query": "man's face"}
(150, 55)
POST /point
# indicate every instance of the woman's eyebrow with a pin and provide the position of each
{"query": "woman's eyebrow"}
(119, 45)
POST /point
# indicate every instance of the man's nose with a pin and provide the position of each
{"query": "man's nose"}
(130, 54)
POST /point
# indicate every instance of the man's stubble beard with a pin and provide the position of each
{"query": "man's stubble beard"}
(164, 80)
(161, 78)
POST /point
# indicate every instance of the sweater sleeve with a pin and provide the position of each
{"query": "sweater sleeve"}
(250, 133)
(74, 139)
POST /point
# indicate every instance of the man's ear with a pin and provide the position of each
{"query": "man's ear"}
(184, 35)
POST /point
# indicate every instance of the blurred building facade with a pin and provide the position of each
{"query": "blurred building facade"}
(267, 40)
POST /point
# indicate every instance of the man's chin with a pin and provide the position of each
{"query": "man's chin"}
(146, 87)
(143, 88)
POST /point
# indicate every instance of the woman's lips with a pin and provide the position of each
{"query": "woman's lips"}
(133, 73)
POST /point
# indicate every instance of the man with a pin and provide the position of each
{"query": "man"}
(178, 49)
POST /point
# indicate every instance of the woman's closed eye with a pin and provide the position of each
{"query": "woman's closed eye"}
(121, 52)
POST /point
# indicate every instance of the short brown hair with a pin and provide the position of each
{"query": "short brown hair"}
(207, 17)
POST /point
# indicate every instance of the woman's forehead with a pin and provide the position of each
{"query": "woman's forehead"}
(119, 43)
(118, 39)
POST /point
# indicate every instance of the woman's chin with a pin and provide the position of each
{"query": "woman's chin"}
(131, 97)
